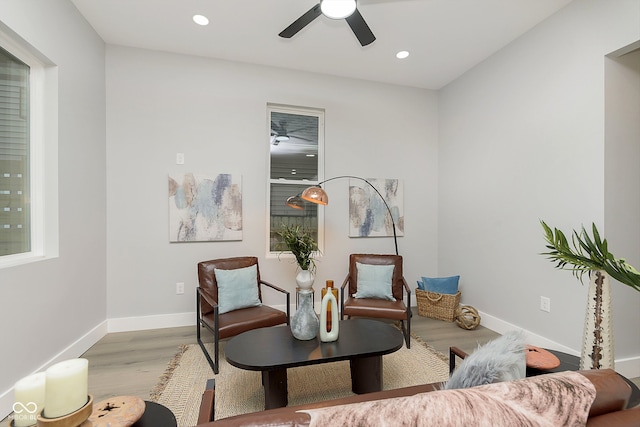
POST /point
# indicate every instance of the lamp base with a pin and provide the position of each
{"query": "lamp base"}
(73, 419)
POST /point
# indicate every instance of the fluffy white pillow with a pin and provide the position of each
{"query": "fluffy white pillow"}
(374, 281)
(237, 288)
(502, 359)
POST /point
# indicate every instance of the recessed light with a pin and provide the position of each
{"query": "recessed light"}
(402, 54)
(311, 155)
(200, 19)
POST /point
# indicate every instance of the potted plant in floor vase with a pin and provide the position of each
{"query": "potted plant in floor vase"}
(304, 322)
(591, 255)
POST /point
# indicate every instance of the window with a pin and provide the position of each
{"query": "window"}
(15, 229)
(28, 152)
(296, 144)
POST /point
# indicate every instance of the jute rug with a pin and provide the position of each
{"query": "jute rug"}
(239, 391)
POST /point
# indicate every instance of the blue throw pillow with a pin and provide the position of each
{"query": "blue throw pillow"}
(442, 285)
(237, 288)
(374, 281)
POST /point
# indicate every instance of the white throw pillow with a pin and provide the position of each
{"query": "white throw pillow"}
(374, 281)
(237, 288)
(502, 359)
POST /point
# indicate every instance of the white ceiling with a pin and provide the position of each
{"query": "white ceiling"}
(445, 38)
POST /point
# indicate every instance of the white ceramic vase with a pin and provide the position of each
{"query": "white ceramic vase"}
(597, 344)
(305, 279)
(326, 335)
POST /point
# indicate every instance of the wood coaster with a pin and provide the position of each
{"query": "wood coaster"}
(539, 358)
(119, 411)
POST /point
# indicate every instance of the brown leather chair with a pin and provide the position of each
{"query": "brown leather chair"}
(234, 322)
(373, 307)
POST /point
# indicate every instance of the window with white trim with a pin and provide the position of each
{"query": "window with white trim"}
(296, 161)
(28, 152)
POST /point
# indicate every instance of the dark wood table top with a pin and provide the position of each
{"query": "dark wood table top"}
(275, 347)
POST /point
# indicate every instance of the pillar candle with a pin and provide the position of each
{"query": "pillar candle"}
(66, 388)
(29, 399)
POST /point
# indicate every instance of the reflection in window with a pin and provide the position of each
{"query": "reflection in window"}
(14, 156)
(295, 152)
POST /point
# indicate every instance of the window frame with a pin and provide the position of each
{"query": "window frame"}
(290, 109)
(43, 151)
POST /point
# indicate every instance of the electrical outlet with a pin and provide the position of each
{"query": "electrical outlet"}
(179, 158)
(179, 288)
(545, 304)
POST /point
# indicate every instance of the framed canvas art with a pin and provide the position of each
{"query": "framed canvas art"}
(368, 215)
(205, 207)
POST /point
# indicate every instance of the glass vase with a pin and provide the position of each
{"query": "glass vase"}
(304, 322)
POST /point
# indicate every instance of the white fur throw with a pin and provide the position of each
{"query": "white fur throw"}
(502, 359)
(561, 399)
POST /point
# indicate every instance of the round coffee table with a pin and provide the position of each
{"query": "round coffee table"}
(272, 350)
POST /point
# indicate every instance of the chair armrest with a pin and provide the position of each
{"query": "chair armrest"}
(288, 295)
(207, 298)
(274, 287)
(344, 284)
(408, 290)
(406, 286)
(453, 352)
(208, 403)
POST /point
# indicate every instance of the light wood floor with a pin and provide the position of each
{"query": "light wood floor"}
(130, 363)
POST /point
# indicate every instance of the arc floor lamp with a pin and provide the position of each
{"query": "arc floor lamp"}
(315, 194)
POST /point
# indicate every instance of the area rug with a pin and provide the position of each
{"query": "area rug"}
(239, 391)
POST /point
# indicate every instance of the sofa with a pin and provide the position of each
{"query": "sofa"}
(594, 398)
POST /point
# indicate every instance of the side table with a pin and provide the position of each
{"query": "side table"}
(156, 415)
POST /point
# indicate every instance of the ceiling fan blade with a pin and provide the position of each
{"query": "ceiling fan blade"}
(301, 22)
(360, 28)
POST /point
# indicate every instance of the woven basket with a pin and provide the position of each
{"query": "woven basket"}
(436, 305)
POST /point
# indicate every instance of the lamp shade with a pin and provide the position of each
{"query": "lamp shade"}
(337, 9)
(295, 202)
(315, 195)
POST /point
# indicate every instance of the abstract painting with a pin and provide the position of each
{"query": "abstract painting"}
(368, 215)
(205, 207)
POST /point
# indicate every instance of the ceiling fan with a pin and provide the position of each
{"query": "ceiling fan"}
(279, 132)
(334, 9)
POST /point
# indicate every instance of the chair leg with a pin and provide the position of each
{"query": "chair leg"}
(200, 324)
(406, 331)
(214, 365)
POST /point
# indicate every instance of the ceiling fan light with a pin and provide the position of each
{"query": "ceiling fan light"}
(337, 9)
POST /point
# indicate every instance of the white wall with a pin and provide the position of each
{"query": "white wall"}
(622, 182)
(54, 309)
(159, 104)
(522, 139)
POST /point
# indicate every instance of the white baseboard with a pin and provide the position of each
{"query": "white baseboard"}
(627, 367)
(74, 350)
(159, 321)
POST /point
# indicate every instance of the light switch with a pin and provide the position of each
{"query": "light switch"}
(179, 158)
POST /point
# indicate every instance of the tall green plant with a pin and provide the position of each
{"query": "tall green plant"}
(587, 254)
(301, 244)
